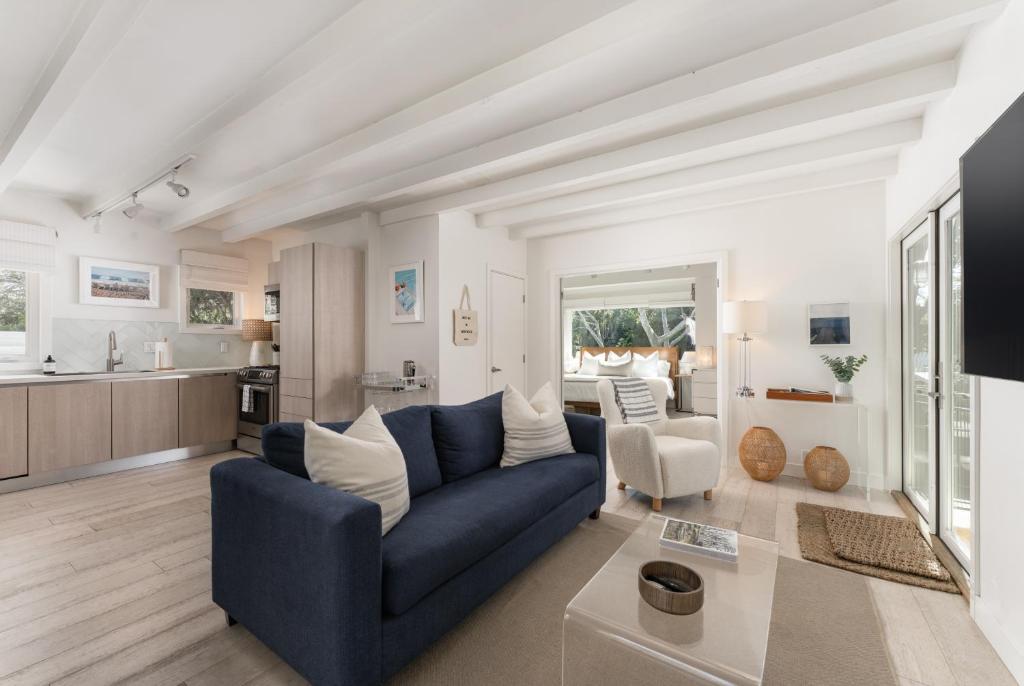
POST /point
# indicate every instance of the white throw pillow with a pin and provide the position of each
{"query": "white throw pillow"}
(645, 366)
(618, 367)
(614, 357)
(664, 367)
(589, 365)
(534, 429)
(364, 461)
(571, 365)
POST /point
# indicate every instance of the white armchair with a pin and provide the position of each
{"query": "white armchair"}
(666, 458)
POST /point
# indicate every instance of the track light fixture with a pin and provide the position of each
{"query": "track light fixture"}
(180, 189)
(132, 211)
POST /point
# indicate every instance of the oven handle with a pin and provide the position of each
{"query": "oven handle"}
(255, 387)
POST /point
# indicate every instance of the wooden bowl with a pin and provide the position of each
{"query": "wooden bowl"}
(660, 598)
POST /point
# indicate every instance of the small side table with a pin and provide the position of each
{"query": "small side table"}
(684, 396)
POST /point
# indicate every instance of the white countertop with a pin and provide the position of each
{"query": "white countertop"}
(38, 377)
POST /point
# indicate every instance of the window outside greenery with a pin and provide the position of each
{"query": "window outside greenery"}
(13, 312)
(634, 326)
(212, 308)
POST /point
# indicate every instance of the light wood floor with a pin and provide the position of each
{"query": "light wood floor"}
(107, 580)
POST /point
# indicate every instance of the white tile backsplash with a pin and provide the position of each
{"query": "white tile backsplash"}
(80, 345)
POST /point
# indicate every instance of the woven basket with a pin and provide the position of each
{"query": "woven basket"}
(762, 453)
(826, 468)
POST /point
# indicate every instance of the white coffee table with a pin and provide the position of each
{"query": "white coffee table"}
(611, 636)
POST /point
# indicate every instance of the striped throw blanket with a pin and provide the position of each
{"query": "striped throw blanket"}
(635, 401)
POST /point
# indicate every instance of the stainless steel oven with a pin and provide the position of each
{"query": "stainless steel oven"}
(257, 398)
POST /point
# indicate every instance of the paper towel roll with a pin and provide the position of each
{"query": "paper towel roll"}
(164, 351)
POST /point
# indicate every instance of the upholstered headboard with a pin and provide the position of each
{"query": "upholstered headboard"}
(671, 354)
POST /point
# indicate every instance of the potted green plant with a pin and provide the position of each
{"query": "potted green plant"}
(843, 369)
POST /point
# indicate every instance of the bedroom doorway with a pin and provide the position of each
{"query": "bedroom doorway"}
(658, 323)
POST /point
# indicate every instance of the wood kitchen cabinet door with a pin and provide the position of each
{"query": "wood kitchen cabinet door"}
(68, 425)
(297, 312)
(14, 433)
(207, 409)
(144, 417)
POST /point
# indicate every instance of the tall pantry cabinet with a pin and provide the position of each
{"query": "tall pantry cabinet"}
(321, 332)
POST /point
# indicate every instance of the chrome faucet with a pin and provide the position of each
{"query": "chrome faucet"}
(111, 348)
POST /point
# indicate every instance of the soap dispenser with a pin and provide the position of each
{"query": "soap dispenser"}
(49, 365)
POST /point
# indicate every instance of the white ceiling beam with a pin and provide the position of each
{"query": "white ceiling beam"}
(468, 99)
(96, 29)
(843, 43)
(873, 142)
(893, 97)
(866, 172)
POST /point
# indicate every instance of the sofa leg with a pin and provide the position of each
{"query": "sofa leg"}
(656, 504)
(595, 514)
(707, 494)
(231, 621)
(622, 485)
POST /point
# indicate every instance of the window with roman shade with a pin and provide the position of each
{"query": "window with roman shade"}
(212, 292)
(26, 252)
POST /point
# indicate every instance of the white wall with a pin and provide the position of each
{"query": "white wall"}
(466, 253)
(990, 77)
(818, 247)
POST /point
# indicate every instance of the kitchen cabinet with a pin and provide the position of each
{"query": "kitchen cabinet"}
(68, 425)
(322, 331)
(14, 437)
(207, 409)
(144, 416)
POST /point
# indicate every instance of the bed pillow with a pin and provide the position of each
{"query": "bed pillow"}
(645, 366)
(534, 428)
(589, 365)
(616, 368)
(364, 461)
(664, 368)
(571, 365)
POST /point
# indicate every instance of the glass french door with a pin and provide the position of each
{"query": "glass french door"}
(957, 393)
(938, 398)
(920, 447)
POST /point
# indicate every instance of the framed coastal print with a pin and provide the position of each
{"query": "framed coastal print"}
(121, 284)
(407, 293)
(829, 324)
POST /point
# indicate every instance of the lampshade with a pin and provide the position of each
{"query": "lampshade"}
(744, 316)
(705, 357)
(257, 330)
(689, 357)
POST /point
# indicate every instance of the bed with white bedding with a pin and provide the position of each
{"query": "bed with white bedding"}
(579, 381)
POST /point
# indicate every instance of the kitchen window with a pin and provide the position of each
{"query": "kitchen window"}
(19, 318)
(211, 310)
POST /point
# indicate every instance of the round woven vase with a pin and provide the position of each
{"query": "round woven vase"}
(762, 453)
(826, 468)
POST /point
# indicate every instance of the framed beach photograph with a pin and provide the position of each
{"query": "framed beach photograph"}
(121, 284)
(406, 302)
(829, 324)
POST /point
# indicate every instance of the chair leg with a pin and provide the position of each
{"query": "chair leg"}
(707, 494)
(656, 504)
(622, 485)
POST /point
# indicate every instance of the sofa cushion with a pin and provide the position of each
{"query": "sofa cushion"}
(468, 438)
(410, 426)
(452, 527)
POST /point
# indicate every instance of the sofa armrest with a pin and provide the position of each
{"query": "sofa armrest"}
(634, 451)
(299, 565)
(697, 428)
(587, 433)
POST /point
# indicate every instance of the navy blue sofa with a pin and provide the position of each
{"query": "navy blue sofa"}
(304, 567)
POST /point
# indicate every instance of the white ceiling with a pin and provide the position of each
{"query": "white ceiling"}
(545, 116)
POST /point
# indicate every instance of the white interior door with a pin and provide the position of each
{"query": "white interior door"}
(920, 382)
(506, 334)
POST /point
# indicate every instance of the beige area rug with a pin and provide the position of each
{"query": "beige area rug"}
(516, 636)
(888, 548)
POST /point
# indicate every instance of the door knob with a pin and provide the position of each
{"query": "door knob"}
(494, 370)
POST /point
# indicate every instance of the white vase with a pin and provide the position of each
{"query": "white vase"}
(843, 390)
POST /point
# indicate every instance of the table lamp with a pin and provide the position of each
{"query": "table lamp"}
(744, 317)
(261, 333)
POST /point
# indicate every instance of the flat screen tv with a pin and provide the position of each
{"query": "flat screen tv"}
(992, 185)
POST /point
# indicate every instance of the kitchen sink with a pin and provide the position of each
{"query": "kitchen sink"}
(118, 371)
